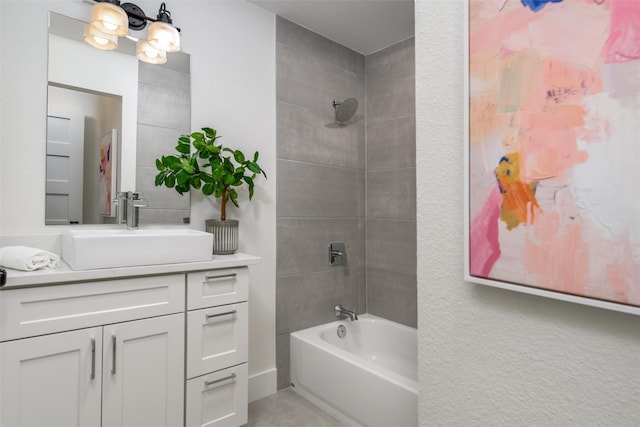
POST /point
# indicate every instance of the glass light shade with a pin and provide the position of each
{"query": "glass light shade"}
(163, 36)
(98, 39)
(110, 19)
(147, 53)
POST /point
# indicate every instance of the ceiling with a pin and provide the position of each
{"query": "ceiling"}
(365, 26)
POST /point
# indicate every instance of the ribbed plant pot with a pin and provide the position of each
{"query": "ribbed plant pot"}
(225, 235)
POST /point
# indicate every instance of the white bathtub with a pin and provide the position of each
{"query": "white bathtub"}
(368, 378)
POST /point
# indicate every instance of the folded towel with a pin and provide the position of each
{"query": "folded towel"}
(27, 259)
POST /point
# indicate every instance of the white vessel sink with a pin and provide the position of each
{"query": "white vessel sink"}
(111, 248)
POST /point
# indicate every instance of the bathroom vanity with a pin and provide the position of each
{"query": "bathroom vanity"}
(159, 345)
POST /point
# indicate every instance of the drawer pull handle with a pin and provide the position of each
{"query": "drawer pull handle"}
(210, 383)
(113, 355)
(93, 358)
(219, 276)
(211, 316)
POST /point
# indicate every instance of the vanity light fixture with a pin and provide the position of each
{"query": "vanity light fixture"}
(98, 39)
(147, 53)
(162, 35)
(110, 19)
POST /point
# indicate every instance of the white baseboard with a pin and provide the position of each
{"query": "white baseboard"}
(263, 384)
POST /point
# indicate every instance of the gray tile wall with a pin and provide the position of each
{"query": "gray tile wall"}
(164, 113)
(320, 189)
(391, 184)
(354, 184)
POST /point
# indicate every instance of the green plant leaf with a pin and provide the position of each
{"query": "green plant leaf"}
(183, 148)
(184, 139)
(238, 156)
(199, 136)
(172, 162)
(233, 196)
(159, 179)
(253, 167)
(183, 178)
(255, 156)
(211, 133)
(170, 181)
(196, 182)
(208, 189)
(159, 164)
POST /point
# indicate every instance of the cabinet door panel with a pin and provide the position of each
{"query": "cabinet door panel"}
(217, 338)
(53, 380)
(143, 383)
(219, 399)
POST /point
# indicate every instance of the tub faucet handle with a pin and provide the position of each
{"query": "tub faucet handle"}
(337, 254)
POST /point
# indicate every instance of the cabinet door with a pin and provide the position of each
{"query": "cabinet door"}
(143, 373)
(217, 338)
(52, 380)
(219, 399)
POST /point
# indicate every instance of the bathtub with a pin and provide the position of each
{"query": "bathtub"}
(368, 378)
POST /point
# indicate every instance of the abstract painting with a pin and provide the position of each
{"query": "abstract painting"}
(106, 172)
(553, 148)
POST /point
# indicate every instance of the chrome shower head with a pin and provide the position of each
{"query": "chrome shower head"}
(345, 109)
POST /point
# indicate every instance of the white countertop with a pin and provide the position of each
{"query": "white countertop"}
(64, 274)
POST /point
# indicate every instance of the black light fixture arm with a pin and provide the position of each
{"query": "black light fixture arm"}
(137, 18)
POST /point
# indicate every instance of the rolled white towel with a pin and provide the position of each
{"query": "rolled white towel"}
(27, 259)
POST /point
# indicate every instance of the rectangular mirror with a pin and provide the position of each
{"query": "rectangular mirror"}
(109, 116)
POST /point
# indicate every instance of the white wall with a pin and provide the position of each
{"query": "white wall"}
(232, 47)
(490, 356)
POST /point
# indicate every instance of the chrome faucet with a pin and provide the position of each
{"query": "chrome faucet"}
(128, 204)
(340, 311)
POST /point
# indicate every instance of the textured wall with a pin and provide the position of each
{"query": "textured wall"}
(489, 356)
(320, 183)
(391, 183)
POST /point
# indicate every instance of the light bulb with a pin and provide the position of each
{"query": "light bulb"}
(164, 37)
(109, 26)
(110, 19)
(147, 53)
(98, 39)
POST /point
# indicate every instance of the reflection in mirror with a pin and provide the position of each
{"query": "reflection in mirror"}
(109, 117)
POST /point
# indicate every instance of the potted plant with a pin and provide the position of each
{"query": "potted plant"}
(203, 164)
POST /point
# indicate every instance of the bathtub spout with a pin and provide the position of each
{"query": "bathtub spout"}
(340, 311)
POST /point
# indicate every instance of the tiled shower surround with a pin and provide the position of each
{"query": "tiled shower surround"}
(353, 184)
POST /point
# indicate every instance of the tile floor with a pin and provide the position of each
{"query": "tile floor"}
(288, 409)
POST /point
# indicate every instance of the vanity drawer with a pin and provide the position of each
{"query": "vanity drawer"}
(218, 399)
(217, 338)
(43, 310)
(217, 287)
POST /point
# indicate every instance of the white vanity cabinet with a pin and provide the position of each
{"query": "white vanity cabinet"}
(142, 346)
(217, 347)
(129, 373)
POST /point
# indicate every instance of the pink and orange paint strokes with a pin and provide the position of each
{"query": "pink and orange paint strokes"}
(554, 145)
